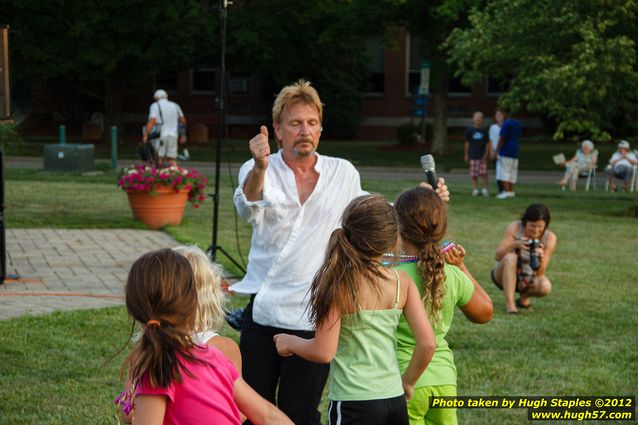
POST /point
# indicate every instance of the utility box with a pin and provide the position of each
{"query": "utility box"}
(69, 158)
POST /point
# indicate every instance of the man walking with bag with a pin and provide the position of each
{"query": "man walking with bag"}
(163, 127)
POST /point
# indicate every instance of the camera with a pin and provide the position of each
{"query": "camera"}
(534, 259)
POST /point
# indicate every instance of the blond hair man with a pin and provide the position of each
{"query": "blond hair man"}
(294, 199)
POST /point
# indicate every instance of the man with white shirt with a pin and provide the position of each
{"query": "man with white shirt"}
(293, 199)
(495, 135)
(168, 116)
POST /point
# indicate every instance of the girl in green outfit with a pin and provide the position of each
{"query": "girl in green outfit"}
(356, 304)
(444, 283)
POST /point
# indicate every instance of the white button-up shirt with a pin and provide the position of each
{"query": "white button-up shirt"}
(289, 239)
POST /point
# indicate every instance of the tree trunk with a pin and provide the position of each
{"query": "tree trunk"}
(439, 114)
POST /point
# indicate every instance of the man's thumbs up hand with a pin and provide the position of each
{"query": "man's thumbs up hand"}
(259, 148)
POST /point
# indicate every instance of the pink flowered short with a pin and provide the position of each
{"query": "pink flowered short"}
(478, 167)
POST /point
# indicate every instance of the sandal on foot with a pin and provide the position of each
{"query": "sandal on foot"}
(520, 304)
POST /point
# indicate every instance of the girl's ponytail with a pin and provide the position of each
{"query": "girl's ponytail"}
(431, 265)
(369, 229)
(161, 296)
(423, 223)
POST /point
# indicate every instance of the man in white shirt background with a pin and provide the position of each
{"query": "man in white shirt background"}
(293, 199)
(495, 134)
(168, 116)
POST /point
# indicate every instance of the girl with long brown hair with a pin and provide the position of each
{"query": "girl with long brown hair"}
(355, 304)
(173, 380)
(444, 282)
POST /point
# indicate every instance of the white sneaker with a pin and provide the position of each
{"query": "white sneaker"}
(485, 192)
(511, 194)
(502, 195)
(475, 192)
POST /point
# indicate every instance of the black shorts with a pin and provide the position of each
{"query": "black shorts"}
(389, 411)
(521, 284)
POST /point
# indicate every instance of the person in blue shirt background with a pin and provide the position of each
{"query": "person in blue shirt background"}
(507, 151)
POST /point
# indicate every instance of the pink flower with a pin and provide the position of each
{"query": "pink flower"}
(142, 178)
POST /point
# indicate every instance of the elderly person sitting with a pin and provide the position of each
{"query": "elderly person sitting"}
(584, 160)
(621, 166)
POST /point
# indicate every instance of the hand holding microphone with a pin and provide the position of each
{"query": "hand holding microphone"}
(427, 163)
(433, 181)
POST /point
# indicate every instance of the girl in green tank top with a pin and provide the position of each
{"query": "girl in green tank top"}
(444, 283)
(356, 304)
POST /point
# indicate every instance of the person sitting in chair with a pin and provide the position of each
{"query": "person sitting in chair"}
(584, 160)
(621, 166)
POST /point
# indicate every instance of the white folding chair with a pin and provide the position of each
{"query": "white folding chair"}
(591, 174)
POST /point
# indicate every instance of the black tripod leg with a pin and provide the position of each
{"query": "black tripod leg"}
(212, 254)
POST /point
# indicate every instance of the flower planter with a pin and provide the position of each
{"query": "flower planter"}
(158, 210)
(152, 196)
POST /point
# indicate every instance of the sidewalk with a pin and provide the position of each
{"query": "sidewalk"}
(367, 173)
(62, 269)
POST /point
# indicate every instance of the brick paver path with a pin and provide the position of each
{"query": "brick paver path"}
(63, 269)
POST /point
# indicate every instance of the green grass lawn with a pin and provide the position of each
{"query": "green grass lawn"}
(580, 340)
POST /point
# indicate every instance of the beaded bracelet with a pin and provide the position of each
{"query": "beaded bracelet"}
(125, 402)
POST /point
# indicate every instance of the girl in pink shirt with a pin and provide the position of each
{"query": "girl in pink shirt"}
(174, 380)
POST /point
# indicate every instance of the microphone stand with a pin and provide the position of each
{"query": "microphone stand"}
(221, 124)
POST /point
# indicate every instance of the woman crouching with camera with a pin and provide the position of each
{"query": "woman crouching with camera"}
(522, 257)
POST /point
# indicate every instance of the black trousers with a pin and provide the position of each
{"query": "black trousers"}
(294, 384)
(390, 411)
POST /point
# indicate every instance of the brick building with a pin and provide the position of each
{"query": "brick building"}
(394, 74)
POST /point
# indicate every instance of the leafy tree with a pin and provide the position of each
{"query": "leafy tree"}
(573, 60)
(433, 21)
(106, 49)
(321, 41)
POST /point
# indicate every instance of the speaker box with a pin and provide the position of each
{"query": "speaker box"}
(69, 158)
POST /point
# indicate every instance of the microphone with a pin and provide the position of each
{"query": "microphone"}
(427, 163)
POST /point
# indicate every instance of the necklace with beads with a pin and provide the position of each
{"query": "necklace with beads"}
(396, 259)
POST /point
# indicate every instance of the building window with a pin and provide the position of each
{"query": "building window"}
(456, 87)
(239, 83)
(375, 83)
(203, 80)
(414, 64)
